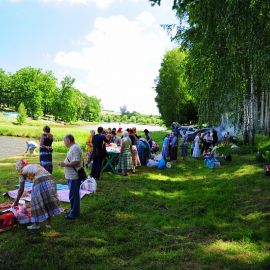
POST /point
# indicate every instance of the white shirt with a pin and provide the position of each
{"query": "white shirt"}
(74, 154)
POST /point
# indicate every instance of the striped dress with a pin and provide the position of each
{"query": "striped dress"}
(45, 155)
(125, 159)
(44, 200)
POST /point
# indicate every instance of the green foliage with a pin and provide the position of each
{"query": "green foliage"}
(21, 118)
(5, 91)
(39, 92)
(92, 109)
(173, 99)
(228, 58)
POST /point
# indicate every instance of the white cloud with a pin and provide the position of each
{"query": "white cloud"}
(98, 3)
(121, 61)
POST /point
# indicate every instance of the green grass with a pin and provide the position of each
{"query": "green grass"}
(188, 217)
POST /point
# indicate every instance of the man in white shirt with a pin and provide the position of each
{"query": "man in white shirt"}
(72, 164)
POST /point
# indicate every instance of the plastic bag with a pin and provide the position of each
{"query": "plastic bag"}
(168, 165)
(151, 163)
(89, 184)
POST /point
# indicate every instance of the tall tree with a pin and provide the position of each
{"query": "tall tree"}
(5, 91)
(173, 98)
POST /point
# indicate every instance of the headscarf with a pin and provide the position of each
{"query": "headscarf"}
(125, 134)
(20, 164)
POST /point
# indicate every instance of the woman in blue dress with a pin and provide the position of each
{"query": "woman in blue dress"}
(165, 147)
(45, 154)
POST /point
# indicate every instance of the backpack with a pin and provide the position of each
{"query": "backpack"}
(7, 220)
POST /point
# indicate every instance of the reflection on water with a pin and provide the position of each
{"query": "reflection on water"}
(12, 146)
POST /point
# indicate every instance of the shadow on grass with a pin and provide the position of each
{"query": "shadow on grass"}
(185, 218)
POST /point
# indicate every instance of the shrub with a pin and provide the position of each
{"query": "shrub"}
(21, 118)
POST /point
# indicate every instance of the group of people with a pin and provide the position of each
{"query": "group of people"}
(201, 145)
(134, 151)
(204, 143)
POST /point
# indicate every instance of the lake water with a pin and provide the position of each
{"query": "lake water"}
(11, 146)
(125, 126)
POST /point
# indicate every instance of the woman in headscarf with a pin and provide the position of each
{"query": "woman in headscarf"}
(196, 149)
(184, 146)
(165, 147)
(125, 154)
(44, 201)
(45, 151)
(148, 137)
(144, 150)
(134, 152)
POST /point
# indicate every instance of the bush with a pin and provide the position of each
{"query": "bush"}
(21, 118)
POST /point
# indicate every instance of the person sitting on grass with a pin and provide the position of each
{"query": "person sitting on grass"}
(44, 201)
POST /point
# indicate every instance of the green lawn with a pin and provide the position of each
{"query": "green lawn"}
(188, 217)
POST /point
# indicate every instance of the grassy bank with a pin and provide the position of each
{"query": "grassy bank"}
(188, 217)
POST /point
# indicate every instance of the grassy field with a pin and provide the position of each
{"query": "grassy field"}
(188, 217)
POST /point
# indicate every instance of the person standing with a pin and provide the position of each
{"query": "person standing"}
(148, 138)
(45, 150)
(173, 147)
(89, 148)
(196, 149)
(165, 147)
(99, 153)
(125, 154)
(208, 140)
(215, 138)
(184, 146)
(134, 152)
(72, 164)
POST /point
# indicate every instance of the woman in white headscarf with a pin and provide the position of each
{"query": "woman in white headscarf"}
(125, 162)
(196, 150)
(44, 201)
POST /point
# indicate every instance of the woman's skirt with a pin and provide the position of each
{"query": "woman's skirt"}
(44, 201)
(135, 156)
(125, 161)
(45, 157)
(184, 150)
(173, 153)
(196, 151)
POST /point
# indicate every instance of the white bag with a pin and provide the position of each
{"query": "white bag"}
(89, 184)
(168, 165)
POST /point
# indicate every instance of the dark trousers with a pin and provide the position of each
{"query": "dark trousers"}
(173, 153)
(74, 197)
(96, 167)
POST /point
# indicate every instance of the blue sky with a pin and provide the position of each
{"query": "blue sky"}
(112, 47)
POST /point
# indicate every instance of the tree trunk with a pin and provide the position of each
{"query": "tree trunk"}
(252, 108)
(262, 112)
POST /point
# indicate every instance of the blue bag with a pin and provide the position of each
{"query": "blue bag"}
(161, 164)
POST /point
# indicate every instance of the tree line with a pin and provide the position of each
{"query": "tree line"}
(227, 46)
(41, 95)
(126, 116)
